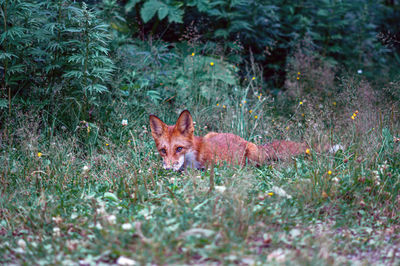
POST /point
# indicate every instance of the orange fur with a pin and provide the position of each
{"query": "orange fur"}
(179, 147)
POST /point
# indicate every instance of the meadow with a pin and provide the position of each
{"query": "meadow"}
(82, 182)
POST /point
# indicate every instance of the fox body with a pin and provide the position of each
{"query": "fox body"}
(179, 148)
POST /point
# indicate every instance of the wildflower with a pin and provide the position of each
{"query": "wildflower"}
(240, 105)
(57, 219)
(124, 122)
(298, 73)
(88, 129)
(56, 232)
(192, 54)
(253, 78)
(302, 114)
(301, 103)
(39, 154)
(217, 104)
(334, 103)
(298, 78)
(329, 172)
(270, 194)
(308, 151)
(127, 226)
(107, 144)
(21, 243)
(250, 111)
(280, 192)
(112, 219)
(356, 112)
(244, 101)
(212, 63)
(287, 128)
(353, 117)
(85, 168)
(359, 71)
(223, 106)
(220, 189)
(124, 261)
(255, 116)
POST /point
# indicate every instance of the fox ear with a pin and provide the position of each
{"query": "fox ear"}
(157, 126)
(185, 123)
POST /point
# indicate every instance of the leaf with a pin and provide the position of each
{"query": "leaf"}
(111, 196)
(3, 103)
(162, 12)
(149, 9)
(130, 5)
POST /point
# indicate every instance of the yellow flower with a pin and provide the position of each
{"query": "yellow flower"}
(353, 117)
(244, 101)
(308, 151)
(217, 104)
(300, 103)
(259, 96)
(287, 128)
(106, 144)
(192, 54)
(253, 78)
(298, 73)
(250, 111)
(223, 106)
(302, 114)
(240, 105)
(212, 63)
(354, 114)
(334, 103)
(298, 78)
(270, 193)
(255, 116)
(39, 154)
(329, 172)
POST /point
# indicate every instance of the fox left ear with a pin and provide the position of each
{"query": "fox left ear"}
(157, 126)
(185, 123)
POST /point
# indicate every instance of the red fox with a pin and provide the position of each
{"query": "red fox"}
(180, 149)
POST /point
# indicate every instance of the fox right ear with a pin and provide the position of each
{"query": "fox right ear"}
(157, 126)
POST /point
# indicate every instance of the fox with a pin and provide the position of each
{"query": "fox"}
(181, 149)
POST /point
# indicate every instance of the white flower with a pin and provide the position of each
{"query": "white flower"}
(124, 122)
(112, 219)
(99, 226)
(102, 209)
(127, 226)
(21, 243)
(126, 261)
(280, 192)
(359, 71)
(220, 189)
(56, 232)
(85, 168)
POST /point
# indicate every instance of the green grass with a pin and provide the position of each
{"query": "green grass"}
(99, 202)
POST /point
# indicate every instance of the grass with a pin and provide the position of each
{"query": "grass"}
(74, 201)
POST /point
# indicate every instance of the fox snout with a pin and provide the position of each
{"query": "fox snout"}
(173, 164)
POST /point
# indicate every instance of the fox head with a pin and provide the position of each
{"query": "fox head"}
(175, 142)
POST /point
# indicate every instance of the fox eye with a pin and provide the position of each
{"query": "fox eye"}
(179, 149)
(163, 151)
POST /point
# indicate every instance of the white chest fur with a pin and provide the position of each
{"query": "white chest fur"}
(190, 160)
